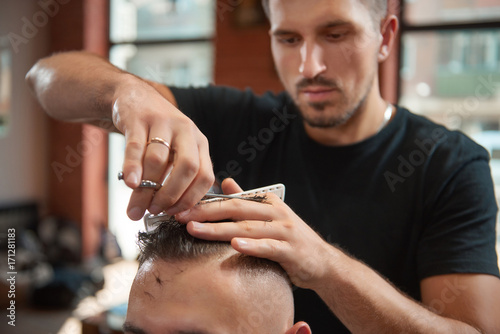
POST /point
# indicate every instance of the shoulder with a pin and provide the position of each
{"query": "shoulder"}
(437, 141)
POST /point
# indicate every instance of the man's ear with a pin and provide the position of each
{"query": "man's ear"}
(388, 30)
(299, 328)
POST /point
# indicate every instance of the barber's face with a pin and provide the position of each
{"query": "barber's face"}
(204, 298)
(325, 53)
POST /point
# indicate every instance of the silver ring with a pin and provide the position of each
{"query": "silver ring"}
(149, 184)
(159, 141)
(144, 183)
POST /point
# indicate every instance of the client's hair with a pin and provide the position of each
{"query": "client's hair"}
(171, 242)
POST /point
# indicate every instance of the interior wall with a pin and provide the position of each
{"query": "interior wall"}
(79, 192)
(243, 54)
(61, 166)
(23, 151)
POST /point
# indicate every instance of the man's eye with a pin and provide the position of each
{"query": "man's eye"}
(335, 36)
(288, 40)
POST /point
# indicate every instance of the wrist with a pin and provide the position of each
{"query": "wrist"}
(335, 269)
(129, 91)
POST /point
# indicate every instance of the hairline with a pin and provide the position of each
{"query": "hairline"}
(194, 250)
(376, 14)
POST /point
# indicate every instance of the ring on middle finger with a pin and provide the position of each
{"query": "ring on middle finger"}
(159, 140)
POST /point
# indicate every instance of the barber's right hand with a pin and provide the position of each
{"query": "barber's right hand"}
(141, 113)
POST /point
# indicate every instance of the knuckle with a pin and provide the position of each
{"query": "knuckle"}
(288, 225)
(273, 249)
(186, 204)
(247, 227)
(130, 165)
(281, 210)
(134, 146)
(190, 167)
(213, 229)
(187, 123)
(203, 140)
(154, 159)
(165, 200)
(207, 179)
(238, 204)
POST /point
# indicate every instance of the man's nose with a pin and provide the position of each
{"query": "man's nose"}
(312, 62)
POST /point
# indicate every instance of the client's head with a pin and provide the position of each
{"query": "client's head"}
(186, 285)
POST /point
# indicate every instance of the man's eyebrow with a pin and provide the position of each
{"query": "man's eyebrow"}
(129, 328)
(280, 32)
(329, 24)
(334, 23)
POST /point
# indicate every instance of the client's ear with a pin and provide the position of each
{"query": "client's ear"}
(299, 328)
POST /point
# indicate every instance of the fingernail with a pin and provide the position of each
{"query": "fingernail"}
(155, 209)
(136, 213)
(132, 178)
(242, 243)
(197, 226)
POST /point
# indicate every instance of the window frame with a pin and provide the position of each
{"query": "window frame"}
(406, 27)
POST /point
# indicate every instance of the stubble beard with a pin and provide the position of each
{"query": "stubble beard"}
(343, 113)
(325, 121)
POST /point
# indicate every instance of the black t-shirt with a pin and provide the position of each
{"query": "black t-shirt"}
(413, 201)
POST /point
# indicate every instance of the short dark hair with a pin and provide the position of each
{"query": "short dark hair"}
(171, 242)
(378, 8)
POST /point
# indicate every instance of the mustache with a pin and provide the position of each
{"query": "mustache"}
(316, 81)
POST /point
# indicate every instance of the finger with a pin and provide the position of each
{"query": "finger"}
(226, 231)
(272, 249)
(139, 201)
(157, 157)
(156, 161)
(233, 209)
(229, 186)
(302, 268)
(135, 143)
(186, 166)
(197, 189)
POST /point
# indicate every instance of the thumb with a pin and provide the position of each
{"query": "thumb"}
(229, 186)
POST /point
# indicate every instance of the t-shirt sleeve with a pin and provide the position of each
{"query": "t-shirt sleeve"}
(460, 214)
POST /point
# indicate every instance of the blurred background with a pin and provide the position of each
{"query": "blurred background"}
(75, 246)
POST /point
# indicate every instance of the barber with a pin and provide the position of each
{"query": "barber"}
(407, 207)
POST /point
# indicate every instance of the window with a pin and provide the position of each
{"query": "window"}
(5, 85)
(450, 68)
(422, 12)
(167, 41)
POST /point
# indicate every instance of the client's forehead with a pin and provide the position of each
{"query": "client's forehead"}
(188, 296)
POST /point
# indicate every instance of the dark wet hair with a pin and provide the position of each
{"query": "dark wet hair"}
(171, 242)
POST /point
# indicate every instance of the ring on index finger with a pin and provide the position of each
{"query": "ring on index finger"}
(158, 140)
(150, 184)
(144, 183)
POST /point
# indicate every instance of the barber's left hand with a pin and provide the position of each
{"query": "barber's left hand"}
(269, 230)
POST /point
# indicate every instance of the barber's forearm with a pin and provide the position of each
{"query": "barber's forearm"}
(76, 86)
(367, 303)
